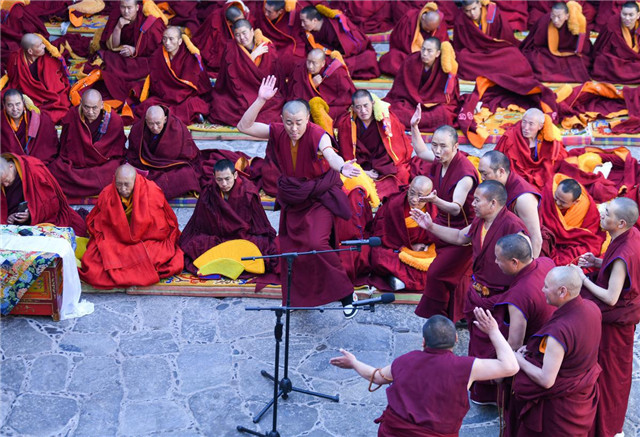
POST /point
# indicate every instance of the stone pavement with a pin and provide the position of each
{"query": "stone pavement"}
(184, 366)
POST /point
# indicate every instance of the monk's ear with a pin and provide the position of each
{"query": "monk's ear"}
(235, 175)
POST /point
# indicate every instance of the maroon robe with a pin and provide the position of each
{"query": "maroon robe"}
(216, 220)
(412, 413)
(342, 35)
(185, 14)
(493, 282)
(613, 60)
(336, 87)
(619, 321)
(515, 12)
(212, 37)
(516, 186)
(17, 21)
(238, 84)
(179, 83)
(569, 406)
(402, 39)
(606, 11)
(538, 8)
(389, 225)
(36, 137)
(448, 276)
(590, 101)
(437, 91)
(90, 153)
(553, 68)
(371, 16)
(310, 194)
(50, 91)
(171, 157)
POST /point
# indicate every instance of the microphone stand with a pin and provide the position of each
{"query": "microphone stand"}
(282, 387)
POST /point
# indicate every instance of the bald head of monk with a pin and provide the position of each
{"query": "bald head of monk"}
(295, 116)
(91, 105)
(561, 285)
(225, 174)
(494, 166)
(172, 40)
(489, 198)
(439, 332)
(129, 9)
(155, 119)
(567, 194)
(316, 60)
(444, 144)
(13, 104)
(419, 189)
(472, 9)
(8, 171)
(32, 46)
(629, 15)
(310, 19)
(532, 122)
(429, 52)
(273, 10)
(619, 216)
(559, 14)
(513, 253)
(233, 14)
(430, 21)
(362, 104)
(243, 34)
(125, 180)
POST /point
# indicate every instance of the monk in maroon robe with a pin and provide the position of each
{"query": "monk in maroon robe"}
(429, 396)
(26, 132)
(162, 145)
(515, 13)
(324, 78)
(309, 191)
(614, 288)
(616, 55)
(555, 392)
(373, 136)
(92, 146)
(183, 14)
(38, 72)
(538, 8)
(176, 79)
(227, 209)
(26, 179)
(369, 15)
(606, 12)
(409, 34)
(247, 60)
(133, 235)
(17, 19)
(330, 30)
(558, 46)
(427, 79)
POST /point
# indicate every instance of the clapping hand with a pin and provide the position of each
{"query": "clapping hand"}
(484, 320)
(587, 260)
(423, 219)
(417, 116)
(267, 88)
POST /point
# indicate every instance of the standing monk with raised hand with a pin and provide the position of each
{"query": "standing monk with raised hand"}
(309, 191)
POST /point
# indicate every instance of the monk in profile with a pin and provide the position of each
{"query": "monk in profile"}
(409, 34)
(427, 80)
(558, 46)
(329, 30)
(246, 61)
(26, 131)
(322, 77)
(177, 79)
(133, 235)
(31, 195)
(92, 146)
(162, 145)
(38, 70)
(18, 18)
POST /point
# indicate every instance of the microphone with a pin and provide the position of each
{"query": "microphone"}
(385, 298)
(371, 241)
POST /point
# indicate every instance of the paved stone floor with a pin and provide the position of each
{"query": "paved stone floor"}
(181, 366)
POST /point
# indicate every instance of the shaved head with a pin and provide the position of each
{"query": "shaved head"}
(430, 21)
(565, 276)
(294, 107)
(8, 172)
(422, 183)
(91, 96)
(439, 333)
(173, 30)
(233, 14)
(534, 114)
(125, 180)
(29, 40)
(317, 54)
(91, 105)
(493, 190)
(625, 209)
(515, 246)
(155, 119)
(316, 60)
(420, 187)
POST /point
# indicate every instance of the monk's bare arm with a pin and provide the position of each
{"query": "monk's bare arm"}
(345, 168)
(455, 236)
(611, 294)
(421, 149)
(247, 124)
(546, 375)
(527, 210)
(349, 361)
(505, 364)
(517, 328)
(460, 193)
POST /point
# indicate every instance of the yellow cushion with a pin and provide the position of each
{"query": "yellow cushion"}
(81, 248)
(234, 250)
(222, 266)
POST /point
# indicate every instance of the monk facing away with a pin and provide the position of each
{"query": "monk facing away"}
(38, 70)
(429, 387)
(92, 146)
(31, 195)
(162, 145)
(26, 131)
(309, 191)
(614, 288)
(133, 235)
(555, 392)
(227, 209)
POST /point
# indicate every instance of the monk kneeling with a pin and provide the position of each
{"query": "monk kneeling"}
(133, 235)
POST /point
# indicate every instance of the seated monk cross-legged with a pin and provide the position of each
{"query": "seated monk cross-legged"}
(133, 235)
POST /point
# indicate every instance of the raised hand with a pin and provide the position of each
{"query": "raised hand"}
(259, 50)
(346, 361)
(484, 320)
(423, 219)
(267, 88)
(431, 197)
(587, 260)
(349, 170)
(417, 116)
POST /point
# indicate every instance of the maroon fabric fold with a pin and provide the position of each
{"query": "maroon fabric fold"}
(37, 138)
(614, 61)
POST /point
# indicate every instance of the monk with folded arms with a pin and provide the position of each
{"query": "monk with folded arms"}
(309, 191)
(27, 131)
(555, 392)
(615, 288)
(228, 209)
(571, 214)
(133, 235)
(36, 72)
(92, 147)
(429, 392)
(31, 195)
(162, 145)
(492, 222)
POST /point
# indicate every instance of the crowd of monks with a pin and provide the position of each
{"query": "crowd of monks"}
(532, 245)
